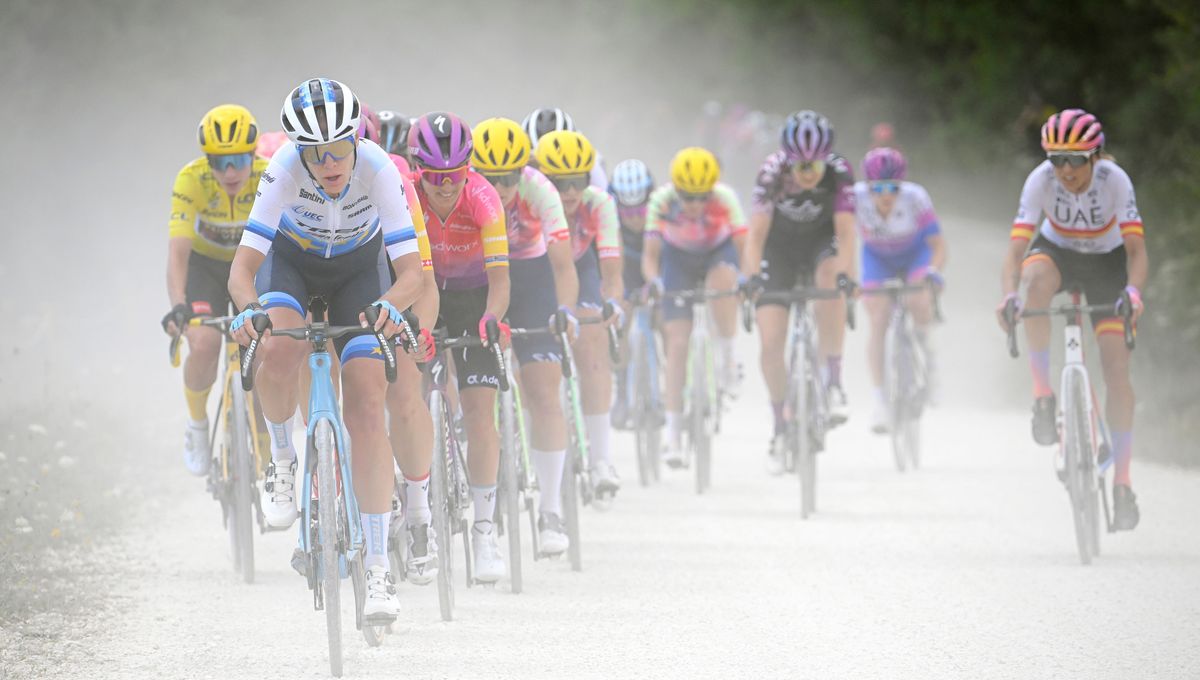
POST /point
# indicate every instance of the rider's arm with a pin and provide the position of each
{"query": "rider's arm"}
(186, 198)
(1029, 209)
(401, 236)
(930, 229)
(245, 265)
(756, 239)
(937, 247)
(428, 302)
(1010, 271)
(652, 235)
(179, 249)
(490, 216)
(608, 246)
(1137, 262)
(498, 291)
(736, 216)
(548, 204)
(843, 229)
(566, 280)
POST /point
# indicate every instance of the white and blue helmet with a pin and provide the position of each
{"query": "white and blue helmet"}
(320, 111)
(631, 182)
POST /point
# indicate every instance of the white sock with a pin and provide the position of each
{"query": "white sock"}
(549, 466)
(198, 424)
(483, 499)
(375, 534)
(726, 347)
(879, 396)
(674, 423)
(282, 450)
(416, 501)
(597, 426)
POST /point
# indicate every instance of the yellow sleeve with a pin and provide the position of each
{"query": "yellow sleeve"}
(187, 197)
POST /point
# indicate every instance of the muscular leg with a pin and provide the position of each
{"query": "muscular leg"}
(1041, 280)
(1119, 400)
(831, 321)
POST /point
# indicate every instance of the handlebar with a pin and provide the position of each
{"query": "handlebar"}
(261, 324)
(371, 313)
(894, 288)
(445, 342)
(220, 323)
(801, 295)
(1124, 304)
(317, 334)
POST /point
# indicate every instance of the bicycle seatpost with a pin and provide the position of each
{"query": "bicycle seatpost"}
(261, 324)
(492, 331)
(371, 312)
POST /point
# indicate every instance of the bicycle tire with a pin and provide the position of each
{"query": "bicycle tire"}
(895, 390)
(327, 513)
(439, 504)
(635, 399)
(242, 478)
(806, 459)
(1076, 438)
(701, 411)
(570, 493)
(508, 485)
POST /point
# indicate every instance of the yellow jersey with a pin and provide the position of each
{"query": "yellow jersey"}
(203, 212)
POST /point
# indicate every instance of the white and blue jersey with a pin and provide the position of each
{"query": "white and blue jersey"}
(896, 245)
(290, 202)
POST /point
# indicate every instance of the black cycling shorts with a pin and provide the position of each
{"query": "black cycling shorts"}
(791, 259)
(459, 315)
(290, 277)
(533, 302)
(207, 285)
(1101, 277)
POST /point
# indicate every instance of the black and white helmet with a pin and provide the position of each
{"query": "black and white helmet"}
(320, 111)
(542, 121)
(807, 136)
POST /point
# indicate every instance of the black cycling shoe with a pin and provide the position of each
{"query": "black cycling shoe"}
(1125, 509)
(1045, 427)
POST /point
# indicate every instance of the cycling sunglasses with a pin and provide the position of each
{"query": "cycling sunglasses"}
(1075, 160)
(810, 166)
(440, 178)
(506, 179)
(885, 187)
(220, 162)
(689, 197)
(317, 154)
(632, 212)
(577, 182)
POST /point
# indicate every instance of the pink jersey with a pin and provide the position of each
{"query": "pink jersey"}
(471, 239)
(535, 218)
(721, 219)
(596, 222)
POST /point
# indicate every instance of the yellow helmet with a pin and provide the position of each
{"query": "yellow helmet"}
(228, 128)
(565, 152)
(695, 170)
(500, 146)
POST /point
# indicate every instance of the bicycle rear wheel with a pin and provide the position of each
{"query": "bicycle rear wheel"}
(570, 493)
(895, 388)
(702, 411)
(635, 397)
(439, 504)
(327, 511)
(1079, 451)
(242, 477)
(510, 503)
(802, 424)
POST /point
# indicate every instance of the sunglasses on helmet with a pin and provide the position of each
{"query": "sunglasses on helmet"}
(317, 154)
(441, 178)
(577, 182)
(220, 162)
(504, 179)
(885, 187)
(1075, 160)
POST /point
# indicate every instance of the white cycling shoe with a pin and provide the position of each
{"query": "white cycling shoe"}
(278, 499)
(672, 455)
(422, 565)
(196, 453)
(381, 603)
(489, 565)
(731, 379)
(880, 418)
(552, 536)
(605, 479)
(776, 454)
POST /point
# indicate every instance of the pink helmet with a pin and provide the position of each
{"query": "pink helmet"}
(882, 134)
(368, 127)
(884, 163)
(440, 141)
(1072, 130)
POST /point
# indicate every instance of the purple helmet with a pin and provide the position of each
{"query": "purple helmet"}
(884, 163)
(440, 141)
(807, 136)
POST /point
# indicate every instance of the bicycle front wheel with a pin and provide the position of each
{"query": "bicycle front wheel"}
(510, 502)
(439, 504)
(702, 411)
(1079, 450)
(894, 387)
(327, 510)
(802, 427)
(242, 477)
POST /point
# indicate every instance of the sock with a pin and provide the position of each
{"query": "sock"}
(549, 467)
(725, 345)
(777, 412)
(281, 441)
(597, 425)
(1039, 363)
(197, 403)
(375, 531)
(880, 398)
(674, 423)
(833, 370)
(416, 500)
(483, 499)
(1123, 443)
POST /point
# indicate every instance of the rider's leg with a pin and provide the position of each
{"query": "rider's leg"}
(411, 434)
(724, 315)
(479, 413)
(276, 382)
(365, 391)
(831, 323)
(772, 322)
(200, 369)
(675, 337)
(540, 384)
(1119, 399)
(595, 379)
(1041, 280)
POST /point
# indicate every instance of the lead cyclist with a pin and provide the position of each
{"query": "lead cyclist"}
(1092, 237)
(331, 213)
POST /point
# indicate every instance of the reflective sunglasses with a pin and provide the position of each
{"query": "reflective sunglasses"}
(441, 178)
(885, 187)
(507, 179)
(317, 154)
(689, 197)
(1075, 160)
(632, 212)
(577, 182)
(810, 166)
(220, 162)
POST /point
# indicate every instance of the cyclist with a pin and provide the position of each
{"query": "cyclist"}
(630, 186)
(269, 143)
(1090, 237)
(539, 122)
(801, 231)
(330, 214)
(900, 239)
(543, 279)
(695, 232)
(209, 206)
(465, 219)
(393, 135)
(567, 159)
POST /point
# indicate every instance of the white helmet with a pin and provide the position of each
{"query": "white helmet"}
(542, 121)
(631, 182)
(320, 111)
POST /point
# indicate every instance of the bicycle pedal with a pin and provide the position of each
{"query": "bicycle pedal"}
(385, 620)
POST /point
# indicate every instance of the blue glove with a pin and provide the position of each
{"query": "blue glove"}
(245, 316)
(393, 314)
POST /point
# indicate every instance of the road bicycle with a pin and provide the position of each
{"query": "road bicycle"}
(641, 384)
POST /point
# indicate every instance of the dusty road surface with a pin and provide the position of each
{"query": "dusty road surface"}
(964, 569)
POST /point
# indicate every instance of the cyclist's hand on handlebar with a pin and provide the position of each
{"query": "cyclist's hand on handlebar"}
(572, 322)
(388, 322)
(847, 285)
(935, 279)
(505, 331)
(1011, 301)
(617, 315)
(1135, 298)
(751, 286)
(242, 327)
(653, 288)
(174, 321)
(426, 346)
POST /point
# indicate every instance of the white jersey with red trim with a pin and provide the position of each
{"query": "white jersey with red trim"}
(1095, 221)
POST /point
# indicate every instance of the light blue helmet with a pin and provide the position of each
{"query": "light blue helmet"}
(631, 182)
